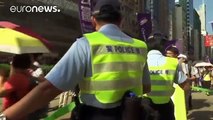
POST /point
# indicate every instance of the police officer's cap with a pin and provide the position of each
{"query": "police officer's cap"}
(99, 7)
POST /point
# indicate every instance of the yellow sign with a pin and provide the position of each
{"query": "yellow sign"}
(179, 103)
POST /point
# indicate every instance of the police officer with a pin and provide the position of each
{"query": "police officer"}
(105, 64)
(163, 73)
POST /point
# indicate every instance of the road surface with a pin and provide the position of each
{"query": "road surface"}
(202, 107)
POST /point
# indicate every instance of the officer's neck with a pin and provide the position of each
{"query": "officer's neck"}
(100, 24)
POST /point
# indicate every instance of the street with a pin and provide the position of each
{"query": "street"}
(202, 107)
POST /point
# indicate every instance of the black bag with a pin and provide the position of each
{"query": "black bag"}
(148, 113)
(137, 108)
(130, 107)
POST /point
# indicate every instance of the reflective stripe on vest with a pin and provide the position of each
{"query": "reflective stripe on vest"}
(116, 67)
(162, 78)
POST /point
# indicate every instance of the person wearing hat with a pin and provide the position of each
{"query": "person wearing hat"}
(163, 73)
(105, 64)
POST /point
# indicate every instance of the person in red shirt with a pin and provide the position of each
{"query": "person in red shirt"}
(18, 83)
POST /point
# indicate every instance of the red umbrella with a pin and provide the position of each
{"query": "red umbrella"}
(27, 31)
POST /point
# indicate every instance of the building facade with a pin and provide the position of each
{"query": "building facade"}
(180, 29)
(197, 42)
(160, 15)
(129, 9)
(206, 51)
(186, 9)
(171, 19)
(202, 13)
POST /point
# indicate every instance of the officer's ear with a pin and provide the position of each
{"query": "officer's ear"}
(93, 21)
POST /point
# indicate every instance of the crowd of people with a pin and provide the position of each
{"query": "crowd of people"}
(116, 77)
(201, 76)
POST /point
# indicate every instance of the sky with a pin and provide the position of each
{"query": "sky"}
(209, 12)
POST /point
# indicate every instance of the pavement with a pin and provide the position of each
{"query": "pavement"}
(202, 107)
(53, 106)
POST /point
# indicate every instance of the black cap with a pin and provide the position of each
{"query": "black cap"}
(114, 4)
(157, 35)
(156, 41)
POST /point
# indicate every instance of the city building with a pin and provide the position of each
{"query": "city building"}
(161, 15)
(185, 8)
(202, 13)
(197, 42)
(190, 23)
(180, 29)
(130, 9)
(171, 19)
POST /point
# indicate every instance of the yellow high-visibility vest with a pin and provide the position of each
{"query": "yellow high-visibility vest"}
(116, 67)
(162, 78)
(207, 77)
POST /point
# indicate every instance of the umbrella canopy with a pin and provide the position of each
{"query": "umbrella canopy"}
(18, 43)
(182, 56)
(203, 64)
(18, 40)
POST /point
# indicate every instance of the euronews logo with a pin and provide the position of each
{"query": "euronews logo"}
(34, 9)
